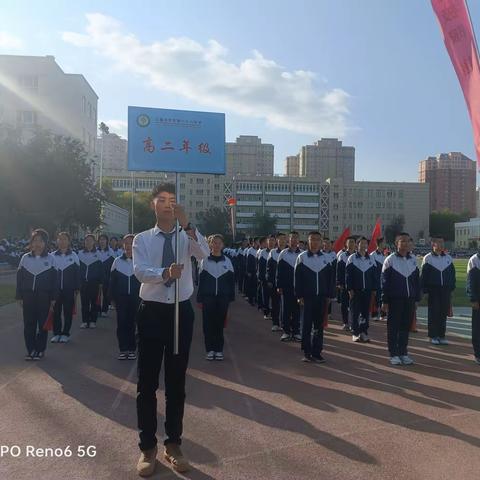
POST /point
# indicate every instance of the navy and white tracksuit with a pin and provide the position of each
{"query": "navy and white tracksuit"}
(400, 290)
(361, 278)
(342, 258)
(106, 256)
(438, 281)
(37, 288)
(251, 274)
(91, 277)
(473, 293)
(332, 258)
(216, 290)
(265, 290)
(313, 283)
(379, 258)
(124, 290)
(285, 281)
(68, 270)
(271, 275)
(240, 268)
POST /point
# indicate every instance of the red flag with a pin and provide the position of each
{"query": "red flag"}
(340, 241)
(459, 39)
(377, 232)
(48, 325)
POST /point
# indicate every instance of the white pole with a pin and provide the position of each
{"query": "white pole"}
(177, 282)
(101, 162)
(133, 193)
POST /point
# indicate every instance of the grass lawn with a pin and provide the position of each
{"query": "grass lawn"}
(7, 294)
(459, 296)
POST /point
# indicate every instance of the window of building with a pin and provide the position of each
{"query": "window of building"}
(26, 117)
(199, 203)
(199, 180)
(28, 81)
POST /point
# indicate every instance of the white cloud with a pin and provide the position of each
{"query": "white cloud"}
(256, 87)
(119, 127)
(8, 41)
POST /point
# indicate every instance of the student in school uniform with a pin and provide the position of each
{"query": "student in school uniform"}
(106, 256)
(281, 243)
(36, 292)
(437, 279)
(262, 245)
(117, 251)
(473, 293)
(124, 291)
(91, 279)
(67, 265)
(332, 258)
(400, 293)
(342, 258)
(286, 289)
(379, 257)
(265, 289)
(241, 266)
(251, 271)
(313, 288)
(361, 284)
(154, 265)
(216, 290)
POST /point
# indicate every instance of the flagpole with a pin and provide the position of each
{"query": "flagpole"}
(177, 282)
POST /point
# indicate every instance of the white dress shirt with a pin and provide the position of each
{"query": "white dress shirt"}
(147, 264)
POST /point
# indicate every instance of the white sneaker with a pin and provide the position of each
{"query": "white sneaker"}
(406, 360)
(285, 337)
(395, 360)
(276, 328)
(64, 339)
(443, 341)
(219, 356)
(355, 338)
(210, 355)
(297, 337)
(364, 337)
(435, 341)
(84, 325)
(266, 317)
(55, 339)
(93, 325)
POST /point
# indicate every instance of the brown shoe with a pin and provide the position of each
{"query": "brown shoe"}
(147, 462)
(175, 457)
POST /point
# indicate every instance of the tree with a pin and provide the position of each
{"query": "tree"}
(394, 228)
(442, 223)
(263, 224)
(104, 128)
(46, 182)
(215, 220)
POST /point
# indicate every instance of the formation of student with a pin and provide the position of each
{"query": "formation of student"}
(293, 284)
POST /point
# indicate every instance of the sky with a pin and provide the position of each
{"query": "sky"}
(373, 73)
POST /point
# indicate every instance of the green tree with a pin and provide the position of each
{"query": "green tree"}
(46, 182)
(394, 228)
(215, 220)
(263, 224)
(442, 223)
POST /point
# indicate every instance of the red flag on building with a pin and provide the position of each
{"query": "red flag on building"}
(340, 241)
(377, 232)
(459, 39)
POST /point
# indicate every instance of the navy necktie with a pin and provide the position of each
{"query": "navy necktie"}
(168, 256)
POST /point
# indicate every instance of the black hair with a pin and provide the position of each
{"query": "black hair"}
(280, 234)
(105, 236)
(293, 233)
(64, 234)
(360, 239)
(163, 187)
(402, 234)
(262, 239)
(314, 232)
(40, 232)
(379, 240)
(128, 235)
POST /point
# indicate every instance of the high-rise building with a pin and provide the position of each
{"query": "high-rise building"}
(249, 156)
(305, 204)
(112, 153)
(292, 166)
(452, 179)
(36, 92)
(327, 158)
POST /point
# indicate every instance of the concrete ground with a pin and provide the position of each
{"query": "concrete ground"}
(261, 414)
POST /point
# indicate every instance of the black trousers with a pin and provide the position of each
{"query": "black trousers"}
(360, 306)
(36, 306)
(399, 320)
(438, 306)
(251, 287)
(275, 307)
(312, 338)
(105, 296)
(126, 308)
(345, 304)
(64, 304)
(88, 297)
(476, 332)
(155, 322)
(290, 313)
(214, 312)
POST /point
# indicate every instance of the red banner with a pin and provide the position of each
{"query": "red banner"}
(460, 41)
(340, 241)
(377, 232)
